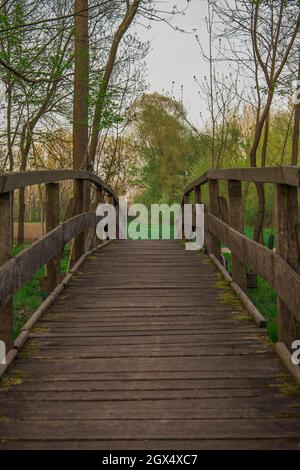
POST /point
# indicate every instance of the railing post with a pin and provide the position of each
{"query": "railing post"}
(6, 311)
(52, 221)
(99, 195)
(110, 200)
(117, 219)
(197, 194)
(286, 246)
(197, 200)
(186, 199)
(79, 205)
(99, 200)
(236, 221)
(214, 242)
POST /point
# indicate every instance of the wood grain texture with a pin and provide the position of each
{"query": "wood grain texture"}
(279, 175)
(142, 350)
(22, 179)
(20, 269)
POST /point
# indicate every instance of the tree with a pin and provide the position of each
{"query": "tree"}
(295, 149)
(169, 150)
(131, 11)
(270, 28)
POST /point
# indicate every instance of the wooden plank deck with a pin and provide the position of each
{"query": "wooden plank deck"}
(147, 348)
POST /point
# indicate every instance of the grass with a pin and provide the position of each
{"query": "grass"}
(264, 296)
(27, 299)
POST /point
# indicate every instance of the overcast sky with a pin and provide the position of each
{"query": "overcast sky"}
(175, 56)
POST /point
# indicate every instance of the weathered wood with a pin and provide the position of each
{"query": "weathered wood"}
(223, 207)
(21, 269)
(215, 240)
(287, 248)
(198, 182)
(52, 221)
(16, 180)
(298, 238)
(90, 233)
(285, 356)
(250, 307)
(236, 221)
(198, 195)
(197, 200)
(278, 175)
(6, 308)
(99, 367)
(69, 213)
(270, 265)
(79, 242)
(99, 200)
(186, 199)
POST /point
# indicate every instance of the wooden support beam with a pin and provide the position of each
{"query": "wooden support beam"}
(186, 200)
(214, 242)
(197, 200)
(99, 200)
(99, 195)
(110, 199)
(236, 221)
(52, 221)
(79, 204)
(198, 195)
(6, 310)
(287, 248)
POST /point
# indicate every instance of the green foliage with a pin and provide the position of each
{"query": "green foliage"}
(168, 149)
(264, 296)
(27, 299)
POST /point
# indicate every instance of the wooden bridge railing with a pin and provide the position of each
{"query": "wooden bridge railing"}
(281, 267)
(16, 271)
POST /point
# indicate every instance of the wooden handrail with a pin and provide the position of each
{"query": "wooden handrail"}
(16, 271)
(12, 181)
(278, 175)
(21, 268)
(280, 268)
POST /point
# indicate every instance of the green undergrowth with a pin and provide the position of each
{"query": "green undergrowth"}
(14, 377)
(27, 299)
(264, 297)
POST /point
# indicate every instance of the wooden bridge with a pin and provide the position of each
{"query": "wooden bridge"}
(146, 345)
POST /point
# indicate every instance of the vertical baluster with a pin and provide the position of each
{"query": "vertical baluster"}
(215, 243)
(286, 246)
(52, 221)
(236, 221)
(6, 311)
(186, 200)
(100, 200)
(79, 198)
(197, 194)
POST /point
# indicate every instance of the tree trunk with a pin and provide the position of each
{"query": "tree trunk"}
(262, 123)
(80, 112)
(81, 85)
(26, 139)
(295, 149)
(260, 188)
(96, 126)
(259, 225)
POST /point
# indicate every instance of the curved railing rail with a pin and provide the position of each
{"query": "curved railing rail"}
(281, 267)
(12, 181)
(16, 271)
